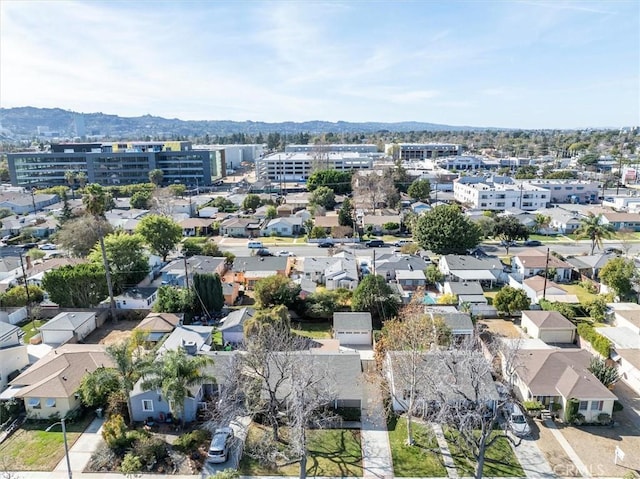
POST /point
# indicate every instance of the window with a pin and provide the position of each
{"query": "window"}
(597, 405)
(583, 405)
(34, 403)
(51, 402)
(147, 405)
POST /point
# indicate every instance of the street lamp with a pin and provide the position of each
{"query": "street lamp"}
(66, 448)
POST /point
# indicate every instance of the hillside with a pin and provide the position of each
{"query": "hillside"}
(25, 121)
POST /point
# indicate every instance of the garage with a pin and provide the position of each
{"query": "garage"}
(353, 329)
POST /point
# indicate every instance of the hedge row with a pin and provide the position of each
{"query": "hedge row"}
(597, 340)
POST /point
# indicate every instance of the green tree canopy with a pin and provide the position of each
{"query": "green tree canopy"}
(76, 286)
(509, 300)
(79, 235)
(338, 181)
(156, 176)
(251, 202)
(161, 233)
(141, 200)
(274, 290)
(208, 290)
(174, 300)
(97, 387)
(509, 229)
(446, 230)
(323, 196)
(127, 259)
(420, 190)
(17, 296)
(619, 274)
(345, 214)
(375, 295)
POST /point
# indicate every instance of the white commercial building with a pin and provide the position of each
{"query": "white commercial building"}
(422, 151)
(298, 166)
(567, 191)
(479, 193)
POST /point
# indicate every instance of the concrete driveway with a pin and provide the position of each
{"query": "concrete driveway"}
(240, 428)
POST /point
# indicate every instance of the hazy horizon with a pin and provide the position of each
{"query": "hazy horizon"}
(517, 65)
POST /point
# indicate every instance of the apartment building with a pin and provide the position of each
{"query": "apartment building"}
(567, 191)
(482, 193)
(353, 148)
(118, 163)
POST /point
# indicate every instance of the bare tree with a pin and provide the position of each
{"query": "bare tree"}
(373, 188)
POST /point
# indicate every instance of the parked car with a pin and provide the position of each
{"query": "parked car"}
(374, 243)
(401, 243)
(517, 421)
(533, 243)
(220, 443)
(254, 244)
(613, 251)
(285, 253)
(263, 252)
(325, 244)
(48, 246)
(29, 245)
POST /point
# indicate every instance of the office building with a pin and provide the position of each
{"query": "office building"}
(119, 163)
(421, 151)
(298, 166)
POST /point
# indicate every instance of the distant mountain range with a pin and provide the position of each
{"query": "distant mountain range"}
(27, 122)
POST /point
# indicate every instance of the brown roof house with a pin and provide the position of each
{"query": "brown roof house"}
(549, 326)
(49, 387)
(533, 262)
(537, 288)
(157, 325)
(554, 376)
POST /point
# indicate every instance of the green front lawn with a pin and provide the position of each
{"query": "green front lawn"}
(500, 460)
(331, 453)
(583, 295)
(312, 329)
(30, 448)
(30, 331)
(423, 459)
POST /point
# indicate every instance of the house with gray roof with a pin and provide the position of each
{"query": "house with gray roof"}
(387, 265)
(353, 328)
(471, 268)
(554, 376)
(175, 273)
(232, 326)
(589, 266)
(459, 324)
(137, 298)
(247, 270)
(68, 327)
(284, 226)
(240, 227)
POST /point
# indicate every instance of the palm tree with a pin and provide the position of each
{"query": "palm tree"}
(174, 374)
(96, 202)
(591, 227)
(542, 222)
(129, 361)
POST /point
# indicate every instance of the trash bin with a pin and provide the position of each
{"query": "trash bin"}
(99, 412)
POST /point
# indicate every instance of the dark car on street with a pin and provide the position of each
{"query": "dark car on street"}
(325, 244)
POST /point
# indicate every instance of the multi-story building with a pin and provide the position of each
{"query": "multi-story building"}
(481, 193)
(459, 163)
(298, 166)
(567, 191)
(422, 151)
(116, 164)
(353, 148)
(235, 155)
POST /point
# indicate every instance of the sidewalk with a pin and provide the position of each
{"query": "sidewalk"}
(83, 448)
(533, 462)
(376, 451)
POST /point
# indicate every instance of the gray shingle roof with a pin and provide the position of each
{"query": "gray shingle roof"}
(67, 321)
(235, 320)
(358, 321)
(260, 263)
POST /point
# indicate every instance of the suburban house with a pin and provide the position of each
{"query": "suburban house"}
(625, 352)
(49, 387)
(589, 266)
(459, 324)
(327, 222)
(621, 220)
(247, 270)
(333, 272)
(537, 288)
(469, 292)
(137, 298)
(175, 273)
(240, 227)
(410, 280)
(625, 315)
(387, 265)
(196, 226)
(442, 377)
(548, 326)
(470, 268)
(562, 221)
(230, 291)
(285, 210)
(378, 222)
(353, 328)
(13, 353)
(534, 262)
(68, 327)
(553, 376)
(21, 203)
(157, 325)
(286, 226)
(232, 326)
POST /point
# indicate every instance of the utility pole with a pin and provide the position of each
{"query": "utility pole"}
(186, 271)
(619, 175)
(546, 272)
(26, 290)
(33, 200)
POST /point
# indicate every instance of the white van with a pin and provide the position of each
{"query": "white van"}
(255, 244)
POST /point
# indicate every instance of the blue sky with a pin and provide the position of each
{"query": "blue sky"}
(519, 64)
